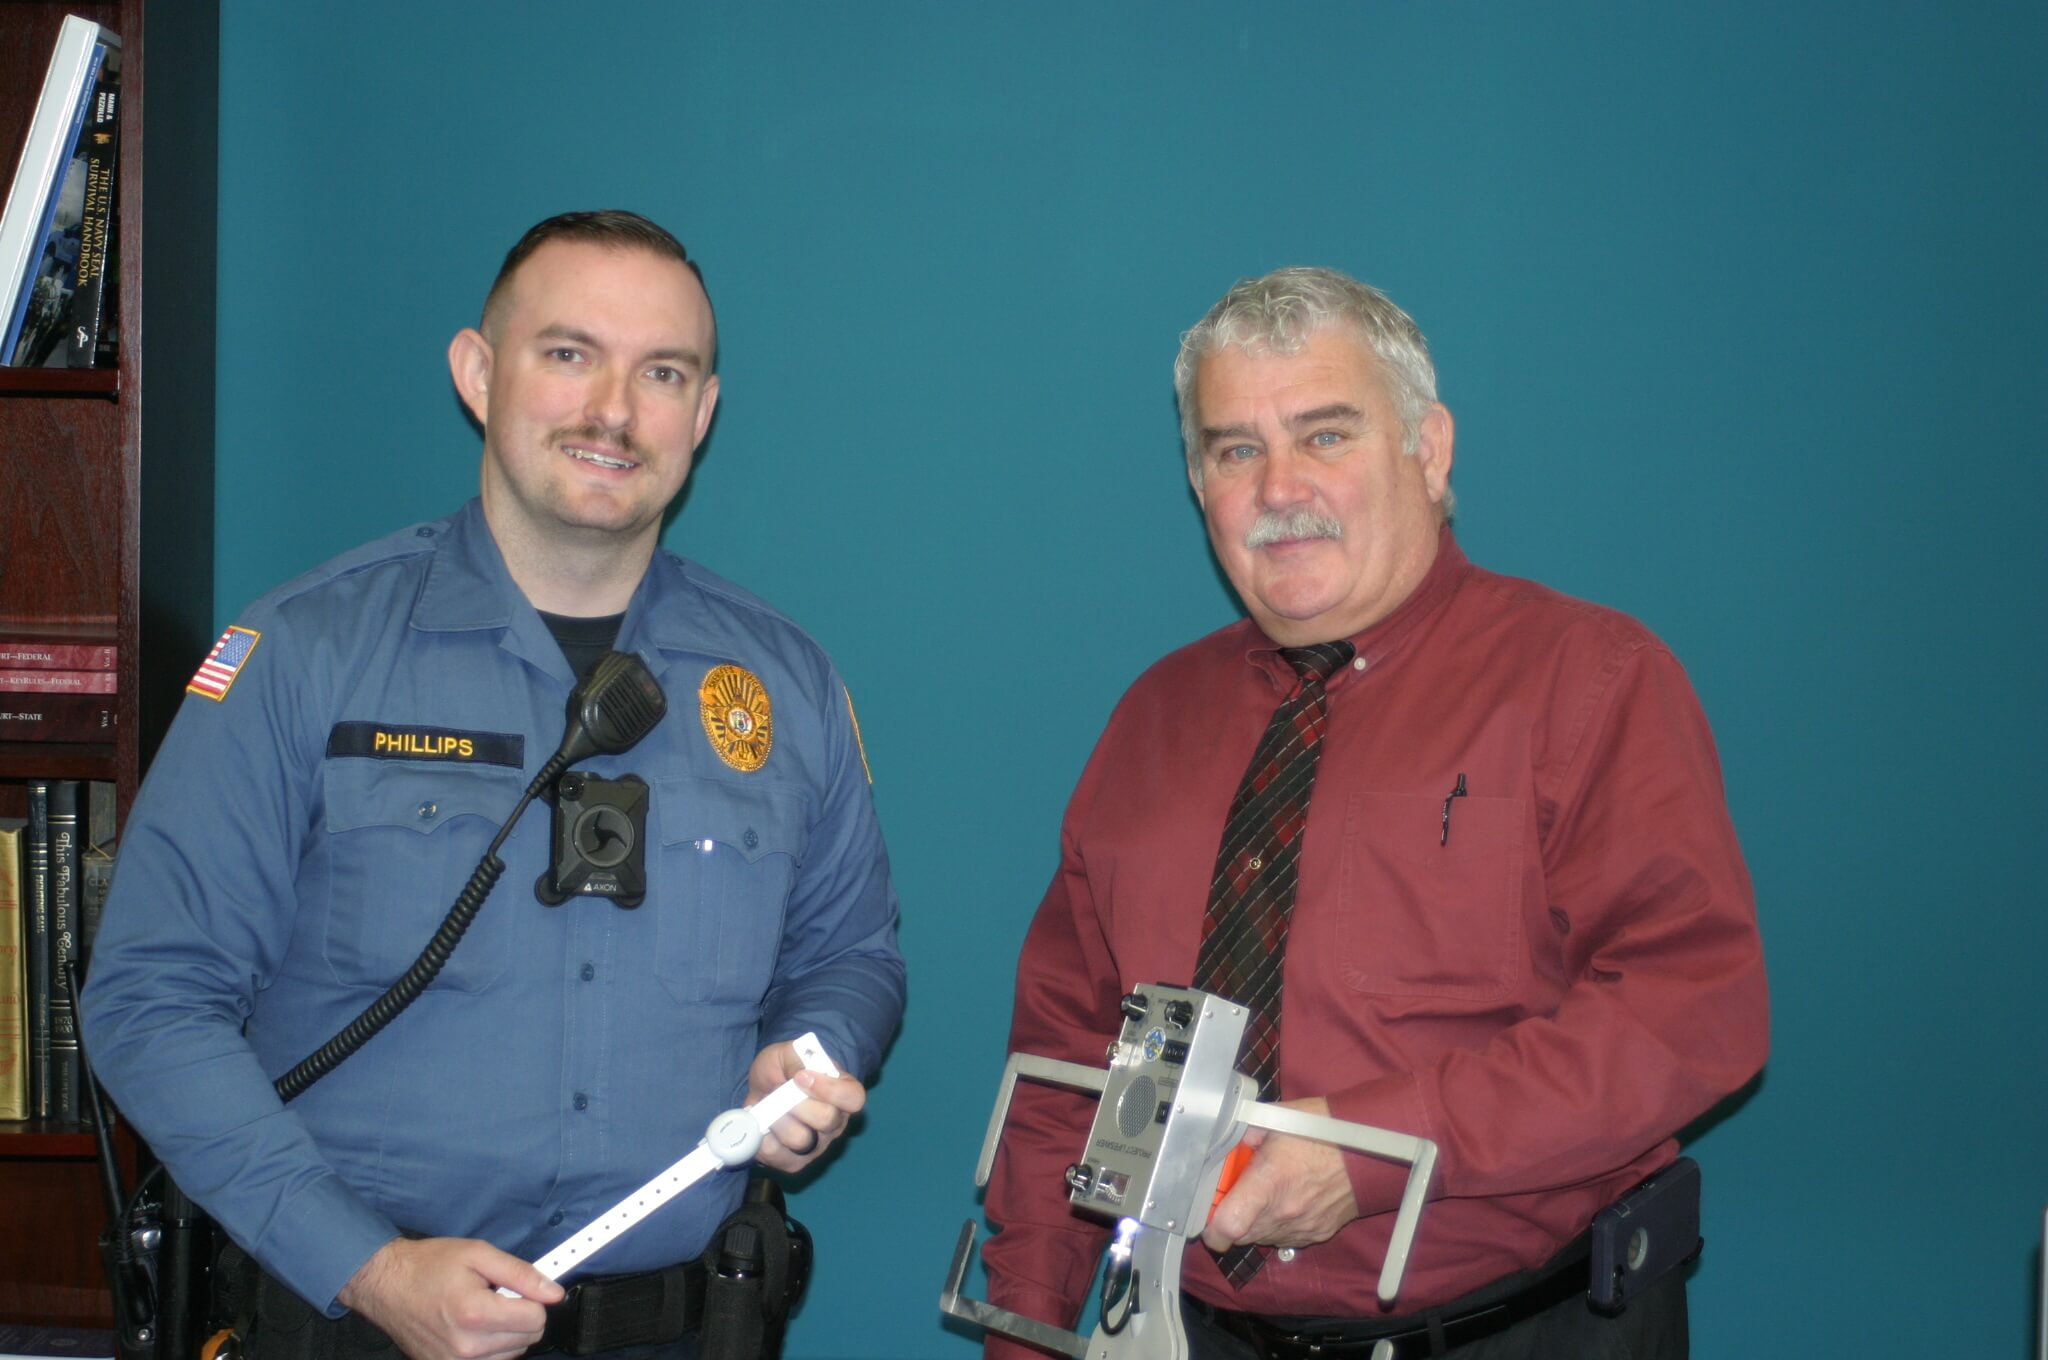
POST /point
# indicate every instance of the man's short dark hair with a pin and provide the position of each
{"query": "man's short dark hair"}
(611, 227)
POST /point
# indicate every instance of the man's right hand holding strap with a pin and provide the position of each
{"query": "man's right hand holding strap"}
(438, 1298)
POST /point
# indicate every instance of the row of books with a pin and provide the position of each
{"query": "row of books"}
(58, 687)
(55, 866)
(57, 231)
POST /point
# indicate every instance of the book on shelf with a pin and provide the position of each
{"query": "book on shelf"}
(56, 682)
(37, 255)
(45, 153)
(97, 848)
(35, 910)
(66, 858)
(29, 648)
(57, 717)
(95, 877)
(100, 813)
(13, 976)
(96, 868)
(86, 340)
(43, 329)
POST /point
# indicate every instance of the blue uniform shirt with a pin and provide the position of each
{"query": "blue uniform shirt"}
(272, 882)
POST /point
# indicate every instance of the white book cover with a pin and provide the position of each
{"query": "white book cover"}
(67, 85)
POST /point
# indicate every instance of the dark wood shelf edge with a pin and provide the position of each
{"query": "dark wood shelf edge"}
(46, 1138)
(60, 382)
(58, 760)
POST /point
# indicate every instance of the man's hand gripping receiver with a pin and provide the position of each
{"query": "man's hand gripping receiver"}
(1173, 1108)
(731, 1141)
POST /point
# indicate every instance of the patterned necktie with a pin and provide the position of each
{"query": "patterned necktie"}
(1244, 932)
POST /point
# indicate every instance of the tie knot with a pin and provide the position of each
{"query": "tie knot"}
(1317, 662)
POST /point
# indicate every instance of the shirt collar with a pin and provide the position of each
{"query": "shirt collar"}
(1377, 642)
(468, 587)
(684, 622)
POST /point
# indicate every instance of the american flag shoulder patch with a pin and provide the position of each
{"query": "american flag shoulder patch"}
(216, 674)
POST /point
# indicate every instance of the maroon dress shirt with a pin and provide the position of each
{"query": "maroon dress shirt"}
(1550, 991)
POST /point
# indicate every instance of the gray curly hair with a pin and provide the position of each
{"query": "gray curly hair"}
(1277, 312)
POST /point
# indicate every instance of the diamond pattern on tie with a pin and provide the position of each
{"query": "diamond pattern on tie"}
(1251, 897)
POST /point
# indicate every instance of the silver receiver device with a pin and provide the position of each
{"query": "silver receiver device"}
(1173, 1106)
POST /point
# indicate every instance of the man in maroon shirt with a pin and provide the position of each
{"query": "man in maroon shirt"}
(1522, 926)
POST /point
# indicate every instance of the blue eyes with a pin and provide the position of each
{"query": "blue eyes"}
(1241, 453)
(666, 374)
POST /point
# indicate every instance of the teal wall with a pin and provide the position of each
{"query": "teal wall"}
(1741, 307)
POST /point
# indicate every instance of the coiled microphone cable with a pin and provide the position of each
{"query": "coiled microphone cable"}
(617, 704)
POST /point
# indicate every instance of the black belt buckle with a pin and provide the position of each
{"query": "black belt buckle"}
(564, 1319)
(1652, 1229)
(1286, 1345)
(1403, 1343)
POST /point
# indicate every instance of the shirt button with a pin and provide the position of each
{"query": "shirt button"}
(427, 810)
(589, 972)
(582, 1102)
(1358, 663)
(554, 1218)
(751, 838)
(1285, 1254)
(1257, 863)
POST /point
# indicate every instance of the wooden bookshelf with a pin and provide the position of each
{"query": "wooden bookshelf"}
(60, 382)
(106, 514)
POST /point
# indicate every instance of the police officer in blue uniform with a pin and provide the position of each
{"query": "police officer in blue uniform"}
(344, 759)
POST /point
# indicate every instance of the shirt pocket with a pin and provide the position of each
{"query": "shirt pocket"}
(1427, 917)
(401, 842)
(728, 857)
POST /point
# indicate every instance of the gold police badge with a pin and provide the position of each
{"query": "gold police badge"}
(737, 716)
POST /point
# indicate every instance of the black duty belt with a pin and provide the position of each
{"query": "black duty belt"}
(601, 1313)
(607, 1312)
(1482, 1313)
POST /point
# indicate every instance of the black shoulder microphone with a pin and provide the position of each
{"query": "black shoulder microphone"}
(617, 704)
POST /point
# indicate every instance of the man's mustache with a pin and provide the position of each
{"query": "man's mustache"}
(622, 440)
(1286, 526)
